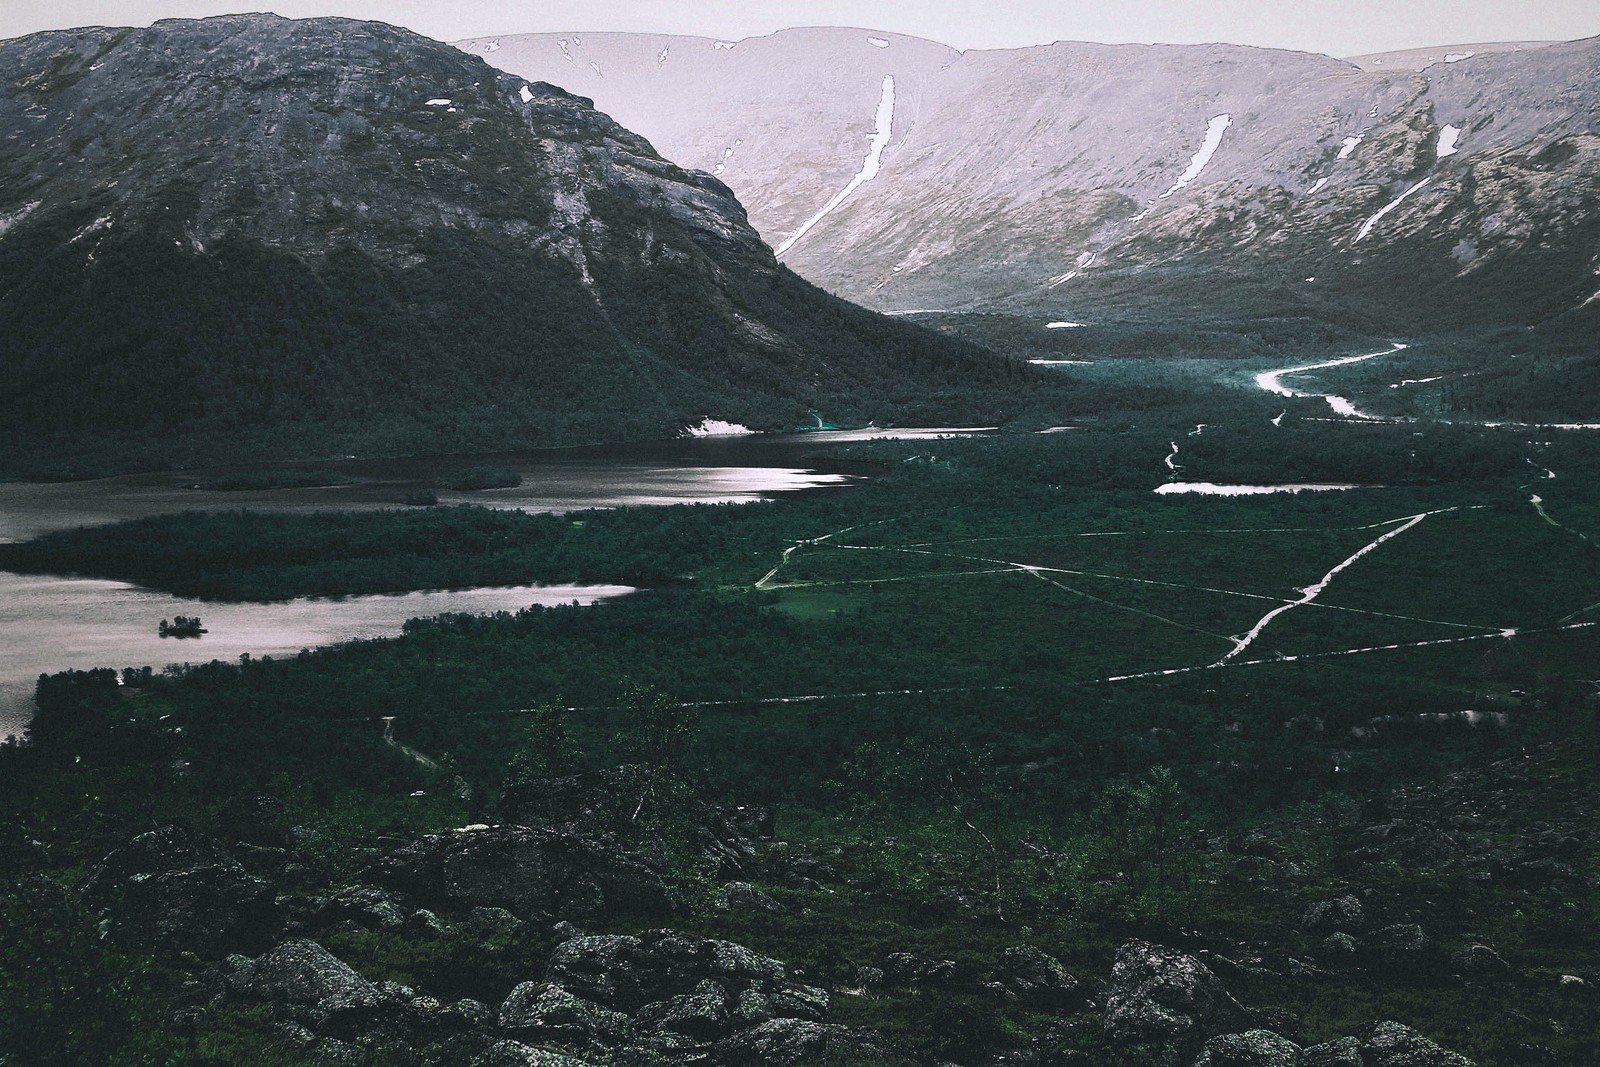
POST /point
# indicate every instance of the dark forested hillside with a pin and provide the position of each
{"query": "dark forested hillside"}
(250, 234)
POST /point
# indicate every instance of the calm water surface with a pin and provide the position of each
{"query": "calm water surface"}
(50, 624)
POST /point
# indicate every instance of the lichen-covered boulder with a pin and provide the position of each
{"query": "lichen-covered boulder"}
(1163, 1004)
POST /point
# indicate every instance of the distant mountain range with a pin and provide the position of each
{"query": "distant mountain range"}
(250, 236)
(1078, 181)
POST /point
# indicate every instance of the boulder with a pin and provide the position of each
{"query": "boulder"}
(742, 896)
(904, 968)
(170, 889)
(701, 1014)
(546, 1012)
(1253, 1048)
(1338, 948)
(784, 1042)
(516, 1054)
(1339, 914)
(1036, 976)
(1163, 1004)
(1401, 947)
(1481, 962)
(1345, 1052)
(365, 905)
(310, 985)
(256, 819)
(1392, 1044)
(532, 872)
(627, 972)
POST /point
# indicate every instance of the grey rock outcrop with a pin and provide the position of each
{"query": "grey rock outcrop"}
(1253, 1048)
(540, 873)
(1163, 1004)
(173, 889)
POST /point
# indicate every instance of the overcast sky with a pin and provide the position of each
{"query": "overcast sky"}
(1337, 27)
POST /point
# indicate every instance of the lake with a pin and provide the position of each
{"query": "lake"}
(50, 624)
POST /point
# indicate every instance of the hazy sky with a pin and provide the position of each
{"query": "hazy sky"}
(1338, 27)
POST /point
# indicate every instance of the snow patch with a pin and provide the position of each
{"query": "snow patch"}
(1062, 362)
(1456, 57)
(727, 154)
(724, 46)
(1213, 489)
(566, 53)
(1366, 227)
(99, 225)
(1402, 383)
(710, 427)
(869, 167)
(1317, 188)
(1348, 145)
(8, 220)
(1214, 131)
(877, 42)
(1447, 141)
(527, 95)
(661, 57)
(1064, 325)
(492, 46)
(440, 102)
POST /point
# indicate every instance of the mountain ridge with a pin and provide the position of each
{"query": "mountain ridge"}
(331, 236)
(1009, 174)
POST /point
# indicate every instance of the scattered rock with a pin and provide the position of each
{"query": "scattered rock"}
(1340, 914)
(530, 872)
(372, 908)
(1036, 976)
(1163, 1004)
(1253, 1048)
(170, 889)
(903, 968)
(543, 1011)
(312, 986)
(742, 896)
(784, 1042)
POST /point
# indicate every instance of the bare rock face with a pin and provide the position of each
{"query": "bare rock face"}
(1384, 1044)
(247, 222)
(1098, 176)
(171, 889)
(529, 872)
(1163, 1004)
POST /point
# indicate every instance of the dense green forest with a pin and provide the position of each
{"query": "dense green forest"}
(987, 690)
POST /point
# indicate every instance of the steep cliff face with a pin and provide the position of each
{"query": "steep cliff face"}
(324, 234)
(1084, 178)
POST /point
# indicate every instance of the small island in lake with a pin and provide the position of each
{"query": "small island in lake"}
(181, 626)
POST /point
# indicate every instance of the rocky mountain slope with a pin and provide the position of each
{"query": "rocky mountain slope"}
(329, 235)
(1080, 180)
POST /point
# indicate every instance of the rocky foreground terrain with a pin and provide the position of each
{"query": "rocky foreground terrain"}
(1085, 181)
(552, 941)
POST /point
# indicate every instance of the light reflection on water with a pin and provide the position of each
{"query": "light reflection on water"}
(50, 624)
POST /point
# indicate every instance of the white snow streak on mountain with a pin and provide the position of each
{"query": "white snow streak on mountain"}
(869, 167)
(1447, 141)
(1347, 146)
(1214, 131)
(1366, 227)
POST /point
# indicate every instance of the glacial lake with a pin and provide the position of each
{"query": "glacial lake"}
(50, 624)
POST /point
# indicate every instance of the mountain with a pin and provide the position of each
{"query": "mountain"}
(1081, 181)
(251, 236)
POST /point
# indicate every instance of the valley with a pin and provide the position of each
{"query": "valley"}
(620, 549)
